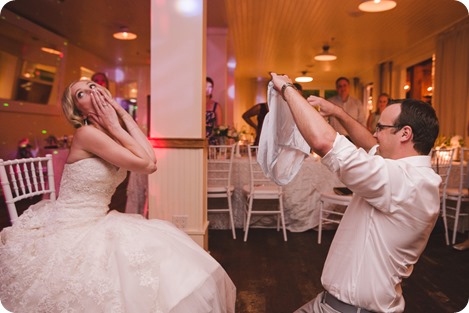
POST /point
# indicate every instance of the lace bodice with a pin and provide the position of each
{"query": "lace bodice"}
(89, 183)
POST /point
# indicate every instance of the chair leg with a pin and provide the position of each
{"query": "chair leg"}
(321, 207)
(233, 230)
(248, 219)
(279, 216)
(456, 221)
(445, 220)
(246, 209)
(282, 216)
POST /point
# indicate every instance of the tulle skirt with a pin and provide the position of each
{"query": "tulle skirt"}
(52, 261)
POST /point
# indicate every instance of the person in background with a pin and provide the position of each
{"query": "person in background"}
(260, 110)
(101, 79)
(25, 149)
(213, 114)
(299, 88)
(395, 201)
(76, 255)
(373, 118)
(427, 99)
(349, 104)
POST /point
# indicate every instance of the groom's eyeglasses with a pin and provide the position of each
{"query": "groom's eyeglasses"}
(380, 127)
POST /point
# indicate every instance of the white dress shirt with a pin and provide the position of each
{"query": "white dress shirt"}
(385, 228)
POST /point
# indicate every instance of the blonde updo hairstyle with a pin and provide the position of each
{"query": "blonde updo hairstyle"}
(71, 112)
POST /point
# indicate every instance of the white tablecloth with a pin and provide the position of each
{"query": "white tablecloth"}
(301, 197)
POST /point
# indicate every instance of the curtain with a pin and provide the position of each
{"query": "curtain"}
(451, 90)
(385, 75)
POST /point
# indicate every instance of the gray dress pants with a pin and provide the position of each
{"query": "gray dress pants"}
(316, 306)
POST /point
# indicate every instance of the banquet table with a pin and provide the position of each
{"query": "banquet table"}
(301, 197)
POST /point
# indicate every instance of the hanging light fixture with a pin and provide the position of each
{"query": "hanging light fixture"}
(304, 78)
(325, 55)
(124, 34)
(377, 5)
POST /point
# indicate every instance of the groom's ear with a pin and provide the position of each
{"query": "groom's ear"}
(407, 133)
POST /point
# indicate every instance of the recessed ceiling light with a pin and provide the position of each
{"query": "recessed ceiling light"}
(377, 5)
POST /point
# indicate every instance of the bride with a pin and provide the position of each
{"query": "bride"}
(74, 255)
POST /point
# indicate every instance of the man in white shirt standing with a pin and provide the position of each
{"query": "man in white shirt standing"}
(395, 203)
(349, 104)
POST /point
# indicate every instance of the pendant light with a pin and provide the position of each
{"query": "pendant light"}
(325, 55)
(304, 78)
(124, 34)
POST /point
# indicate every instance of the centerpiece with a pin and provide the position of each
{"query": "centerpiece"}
(225, 135)
(446, 142)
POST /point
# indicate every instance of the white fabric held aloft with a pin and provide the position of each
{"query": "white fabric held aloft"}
(282, 149)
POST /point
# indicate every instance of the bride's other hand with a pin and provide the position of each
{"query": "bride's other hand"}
(119, 109)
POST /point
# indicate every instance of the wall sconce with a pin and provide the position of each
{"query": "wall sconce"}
(124, 34)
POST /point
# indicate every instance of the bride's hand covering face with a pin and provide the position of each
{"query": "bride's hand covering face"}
(105, 114)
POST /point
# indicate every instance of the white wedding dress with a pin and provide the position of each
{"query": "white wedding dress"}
(74, 256)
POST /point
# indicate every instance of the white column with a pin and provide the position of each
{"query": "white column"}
(177, 191)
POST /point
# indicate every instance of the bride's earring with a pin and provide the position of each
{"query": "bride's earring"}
(85, 120)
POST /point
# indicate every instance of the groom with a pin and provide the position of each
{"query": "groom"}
(395, 203)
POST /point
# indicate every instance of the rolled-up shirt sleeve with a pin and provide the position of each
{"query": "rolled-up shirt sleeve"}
(377, 180)
(364, 174)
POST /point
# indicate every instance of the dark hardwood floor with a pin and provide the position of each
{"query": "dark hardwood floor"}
(273, 276)
(277, 277)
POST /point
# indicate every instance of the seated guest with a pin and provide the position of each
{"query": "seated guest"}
(25, 150)
(75, 255)
(395, 200)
